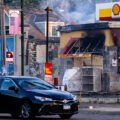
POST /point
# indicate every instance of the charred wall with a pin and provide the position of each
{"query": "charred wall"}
(110, 73)
(92, 43)
(104, 45)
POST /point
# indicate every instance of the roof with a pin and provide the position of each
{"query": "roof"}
(42, 17)
(40, 41)
(36, 15)
(91, 26)
(33, 31)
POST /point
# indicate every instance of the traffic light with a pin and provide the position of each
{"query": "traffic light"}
(9, 55)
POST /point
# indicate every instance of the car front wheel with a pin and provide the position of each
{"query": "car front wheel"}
(66, 116)
(15, 115)
(26, 111)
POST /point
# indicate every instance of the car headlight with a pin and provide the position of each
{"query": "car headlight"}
(43, 98)
(75, 98)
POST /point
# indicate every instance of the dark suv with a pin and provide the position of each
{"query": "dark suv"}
(28, 96)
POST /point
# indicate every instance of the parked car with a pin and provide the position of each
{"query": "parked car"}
(29, 96)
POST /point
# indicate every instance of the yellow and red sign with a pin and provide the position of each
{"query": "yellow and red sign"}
(105, 14)
(48, 69)
(108, 11)
(48, 72)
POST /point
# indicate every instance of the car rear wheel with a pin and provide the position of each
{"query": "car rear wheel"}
(66, 116)
(26, 111)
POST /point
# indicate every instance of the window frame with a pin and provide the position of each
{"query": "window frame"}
(57, 33)
(7, 79)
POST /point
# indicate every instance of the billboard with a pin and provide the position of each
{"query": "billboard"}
(13, 22)
(9, 48)
(108, 11)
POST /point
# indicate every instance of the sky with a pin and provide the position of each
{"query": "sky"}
(75, 11)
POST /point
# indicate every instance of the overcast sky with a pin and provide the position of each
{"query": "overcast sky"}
(75, 11)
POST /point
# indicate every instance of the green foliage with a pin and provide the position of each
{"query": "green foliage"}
(31, 2)
(93, 101)
(118, 100)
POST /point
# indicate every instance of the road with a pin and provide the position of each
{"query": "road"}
(99, 112)
(80, 116)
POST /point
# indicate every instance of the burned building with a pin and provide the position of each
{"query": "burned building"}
(89, 55)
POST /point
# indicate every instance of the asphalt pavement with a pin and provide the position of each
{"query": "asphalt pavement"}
(87, 111)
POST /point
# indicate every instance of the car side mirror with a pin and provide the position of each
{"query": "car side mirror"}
(13, 88)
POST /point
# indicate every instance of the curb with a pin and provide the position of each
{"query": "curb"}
(99, 100)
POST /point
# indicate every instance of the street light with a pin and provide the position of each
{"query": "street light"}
(47, 31)
(48, 66)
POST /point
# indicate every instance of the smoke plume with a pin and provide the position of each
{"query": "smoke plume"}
(74, 11)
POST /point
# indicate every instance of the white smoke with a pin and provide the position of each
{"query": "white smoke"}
(74, 11)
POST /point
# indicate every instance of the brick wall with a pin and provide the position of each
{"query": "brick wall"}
(36, 68)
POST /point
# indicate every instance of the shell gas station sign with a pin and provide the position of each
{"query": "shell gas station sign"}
(108, 11)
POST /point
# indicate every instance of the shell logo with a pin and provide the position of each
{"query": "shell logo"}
(116, 9)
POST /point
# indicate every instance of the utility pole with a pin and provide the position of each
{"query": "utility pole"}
(3, 40)
(22, 37)
(47, 31)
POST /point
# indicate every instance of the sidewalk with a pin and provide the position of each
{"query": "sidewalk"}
(107, 100)
(100, 108)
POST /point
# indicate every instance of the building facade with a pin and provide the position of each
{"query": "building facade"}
(36, 45)
(90, 52)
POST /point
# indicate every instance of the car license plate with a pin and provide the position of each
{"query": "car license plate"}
(66, 107)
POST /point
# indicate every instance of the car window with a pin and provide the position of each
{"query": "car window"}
(6, 83)
(34, 84)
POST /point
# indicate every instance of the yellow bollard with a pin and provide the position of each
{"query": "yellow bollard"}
(91, 107)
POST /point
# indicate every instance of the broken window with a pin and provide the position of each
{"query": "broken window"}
(54, 31)
(90, 44)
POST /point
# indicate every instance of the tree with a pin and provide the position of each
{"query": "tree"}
(30, 3)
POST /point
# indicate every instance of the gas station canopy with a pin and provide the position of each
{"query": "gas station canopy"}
(108, 11)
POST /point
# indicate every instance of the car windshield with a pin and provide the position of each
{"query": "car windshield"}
(34, 84)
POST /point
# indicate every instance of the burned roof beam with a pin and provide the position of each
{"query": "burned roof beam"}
(91, 26)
